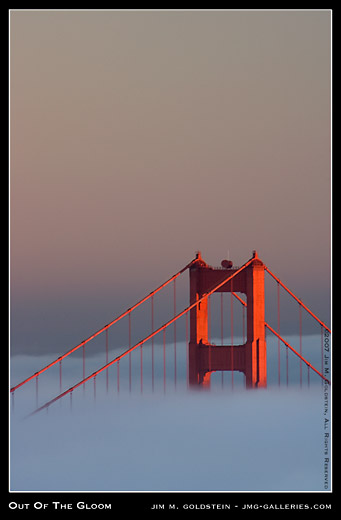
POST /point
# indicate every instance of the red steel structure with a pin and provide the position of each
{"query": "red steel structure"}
(203, 358)
(249, 358)
(105, 328)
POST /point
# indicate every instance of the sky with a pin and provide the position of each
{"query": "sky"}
(140, 137)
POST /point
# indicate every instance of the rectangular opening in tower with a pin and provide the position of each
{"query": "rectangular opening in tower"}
(227, 318)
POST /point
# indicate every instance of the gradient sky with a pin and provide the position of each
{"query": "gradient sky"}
(137, 138)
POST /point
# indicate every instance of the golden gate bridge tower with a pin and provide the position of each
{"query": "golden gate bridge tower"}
(249, 358)
(203, 357)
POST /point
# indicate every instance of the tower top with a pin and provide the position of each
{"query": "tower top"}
(198, 262)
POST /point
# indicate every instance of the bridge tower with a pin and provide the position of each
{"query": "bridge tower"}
(249, 358)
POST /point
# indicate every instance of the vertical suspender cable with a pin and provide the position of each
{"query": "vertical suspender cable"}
(164, 360)
(209, 357)
(232, 312)
(222, 328)
(300, 320)
(187, 347)
(141, 361)
(209, 333)
(174, 332)
(37, 390)
(107, 357)
(83, 355)
(322, 331)
(129, 341)
(278, 330)
(152, 311)
(187, 328)
(232, 360)
(60, 375)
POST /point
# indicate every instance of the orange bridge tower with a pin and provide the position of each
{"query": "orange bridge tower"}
(249, 358)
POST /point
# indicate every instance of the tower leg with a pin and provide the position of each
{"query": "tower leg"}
(199, 314)
(256, 345)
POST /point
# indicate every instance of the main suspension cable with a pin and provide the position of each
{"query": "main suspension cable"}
(128, 311)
